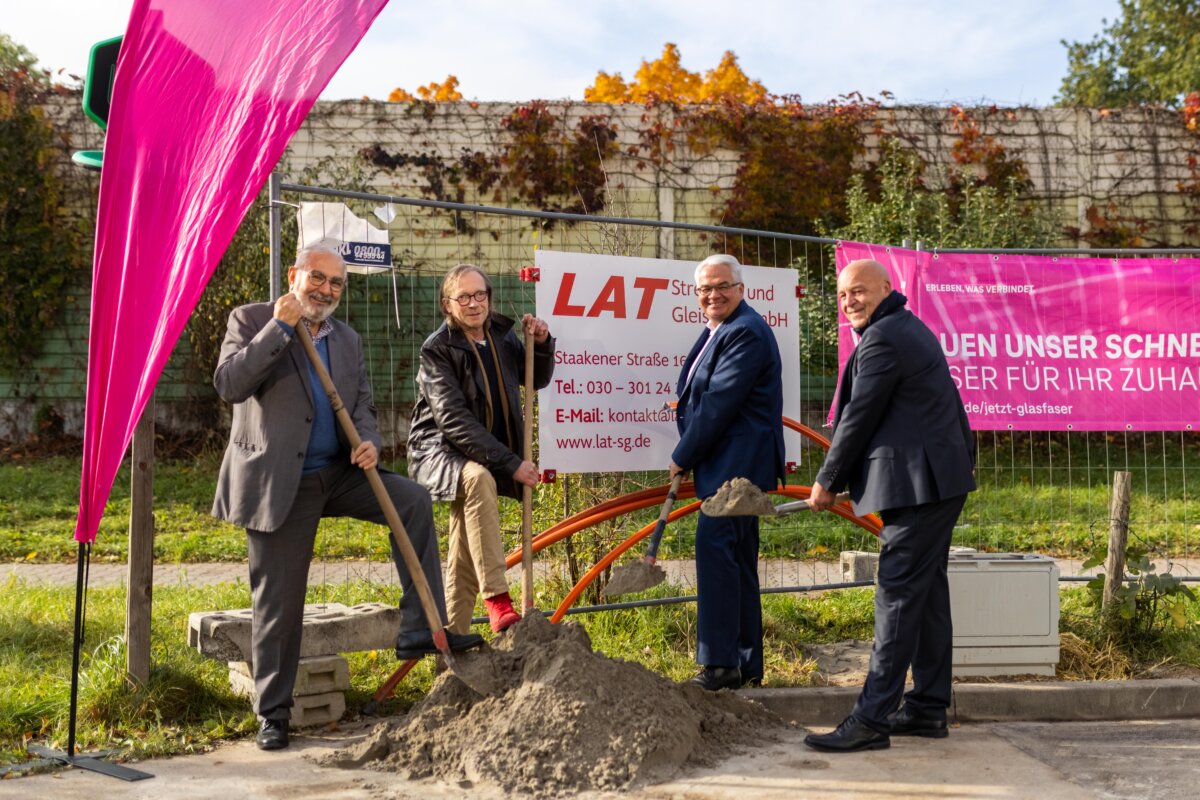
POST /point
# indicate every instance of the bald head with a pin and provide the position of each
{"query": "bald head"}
(862, 285)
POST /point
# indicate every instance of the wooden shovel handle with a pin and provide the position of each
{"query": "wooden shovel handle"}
(527, 491)
(428, 605)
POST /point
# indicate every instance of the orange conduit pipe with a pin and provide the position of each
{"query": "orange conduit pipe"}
(645, 498)
(612, 556)
(870, 523)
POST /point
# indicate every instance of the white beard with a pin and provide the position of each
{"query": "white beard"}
(314, 312)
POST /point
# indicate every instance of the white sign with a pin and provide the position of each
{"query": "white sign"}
(624, 327)
(364, 247)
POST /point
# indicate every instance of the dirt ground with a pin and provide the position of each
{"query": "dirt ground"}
(543, 715)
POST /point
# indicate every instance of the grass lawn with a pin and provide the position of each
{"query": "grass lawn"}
(1025, 504)
(187, 703)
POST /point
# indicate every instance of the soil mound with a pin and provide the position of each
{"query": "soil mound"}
(736, 498)
(557, 719)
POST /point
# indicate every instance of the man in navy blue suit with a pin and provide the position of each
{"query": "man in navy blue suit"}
(902, 444)
(729, 416)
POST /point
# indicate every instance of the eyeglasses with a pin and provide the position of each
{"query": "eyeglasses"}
(720, 288)
(318, 279)
(478, 297)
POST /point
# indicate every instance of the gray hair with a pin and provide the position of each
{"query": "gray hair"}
(451, 281)
(322, 248)
(720, 259)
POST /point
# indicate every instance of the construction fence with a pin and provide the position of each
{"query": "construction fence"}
(1039, 491)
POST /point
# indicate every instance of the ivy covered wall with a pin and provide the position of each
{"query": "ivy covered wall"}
(1101, 178)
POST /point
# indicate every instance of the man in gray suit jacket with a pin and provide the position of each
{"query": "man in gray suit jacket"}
(288, 464)
(902, 444)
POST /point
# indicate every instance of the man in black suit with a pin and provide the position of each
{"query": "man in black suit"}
(902, 444)
(730, 420)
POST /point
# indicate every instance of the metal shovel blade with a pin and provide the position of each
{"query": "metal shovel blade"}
(636, 576)
(741, 498)
(477, 668)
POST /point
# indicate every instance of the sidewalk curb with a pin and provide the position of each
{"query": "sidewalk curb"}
(1042, 701)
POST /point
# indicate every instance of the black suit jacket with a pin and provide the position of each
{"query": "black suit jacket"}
(900, 436)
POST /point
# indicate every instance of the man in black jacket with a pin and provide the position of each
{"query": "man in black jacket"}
(466, 432)
(902, 444)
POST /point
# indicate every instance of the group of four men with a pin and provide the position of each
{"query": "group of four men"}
(901, 444)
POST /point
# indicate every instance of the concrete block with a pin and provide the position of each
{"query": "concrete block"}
(328, 629)
(318, 709)
(858, 566)
(314, 675)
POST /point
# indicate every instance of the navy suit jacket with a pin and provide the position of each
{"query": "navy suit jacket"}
(730, 414)
(900, 435)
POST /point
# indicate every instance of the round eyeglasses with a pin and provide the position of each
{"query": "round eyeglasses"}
(464, 299)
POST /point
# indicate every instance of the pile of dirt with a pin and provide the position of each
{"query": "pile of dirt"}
(553, 718)
(736, 498)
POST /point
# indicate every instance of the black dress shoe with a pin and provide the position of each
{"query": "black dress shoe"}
(849, 737)
(907, 723)
(273, 735)
(714, 678)
(417, 644)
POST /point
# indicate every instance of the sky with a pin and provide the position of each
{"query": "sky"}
(936, 51)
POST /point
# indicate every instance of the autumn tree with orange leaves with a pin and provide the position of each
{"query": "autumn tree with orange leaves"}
(433, 92)
(666, 79)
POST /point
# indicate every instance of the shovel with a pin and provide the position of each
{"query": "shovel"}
(639, 576)
(482, 682)
(526, 491)
(741, 498)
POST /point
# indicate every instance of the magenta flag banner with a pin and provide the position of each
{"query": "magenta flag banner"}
(207, 95)
(1052, 343)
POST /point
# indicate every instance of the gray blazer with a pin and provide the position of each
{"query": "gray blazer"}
(264, 373)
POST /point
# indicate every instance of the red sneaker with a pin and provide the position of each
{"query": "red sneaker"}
(501, 614)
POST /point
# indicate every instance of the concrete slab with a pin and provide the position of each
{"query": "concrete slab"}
(329, 628)
(991, 761)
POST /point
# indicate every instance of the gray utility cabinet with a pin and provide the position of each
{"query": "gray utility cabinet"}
(1005, 612)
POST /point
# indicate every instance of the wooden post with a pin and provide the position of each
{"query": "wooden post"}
(140, 581)
(1118, 535)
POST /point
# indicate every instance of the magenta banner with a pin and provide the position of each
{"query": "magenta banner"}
(206, 97)
(1055, 343)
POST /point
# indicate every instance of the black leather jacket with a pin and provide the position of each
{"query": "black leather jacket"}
(447, 427)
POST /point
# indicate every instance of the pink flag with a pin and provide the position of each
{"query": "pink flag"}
(207, 95)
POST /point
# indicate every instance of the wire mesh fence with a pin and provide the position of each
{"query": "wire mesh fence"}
(1039, 492)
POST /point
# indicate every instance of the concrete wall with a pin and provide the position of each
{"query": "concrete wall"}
(1076, 158)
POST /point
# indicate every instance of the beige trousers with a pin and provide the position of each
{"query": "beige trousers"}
(475, 554)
